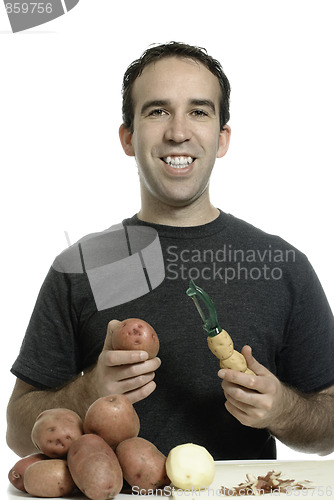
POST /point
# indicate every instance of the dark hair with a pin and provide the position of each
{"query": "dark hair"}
(181, 50)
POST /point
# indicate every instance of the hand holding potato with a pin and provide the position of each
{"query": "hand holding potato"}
(121, 371)
(256, 401)
(135, 334)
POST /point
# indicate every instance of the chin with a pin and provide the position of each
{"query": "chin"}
(183, 199)
(179, 202)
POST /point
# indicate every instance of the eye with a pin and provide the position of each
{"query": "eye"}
(157, 112)
(199, 113)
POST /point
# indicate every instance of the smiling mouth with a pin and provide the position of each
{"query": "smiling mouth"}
(178, 162)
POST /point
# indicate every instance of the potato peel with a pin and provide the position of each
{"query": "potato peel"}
(270, 483)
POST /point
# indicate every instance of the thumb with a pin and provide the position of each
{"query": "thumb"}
(252, 364)
(112, 327)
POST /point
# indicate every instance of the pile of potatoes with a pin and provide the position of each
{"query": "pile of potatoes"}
(102, 452)
(95, 455)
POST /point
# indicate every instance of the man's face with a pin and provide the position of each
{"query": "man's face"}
(176, 137)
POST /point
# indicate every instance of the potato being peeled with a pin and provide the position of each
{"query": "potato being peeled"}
(190, 467)
(221, 345)
(135, 334)
(235, 362)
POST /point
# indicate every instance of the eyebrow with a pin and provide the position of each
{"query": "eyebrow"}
(205, 103)
(157, 103)
(160, 103)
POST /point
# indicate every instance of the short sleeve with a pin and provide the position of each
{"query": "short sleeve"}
(306, 359)
(49, 352)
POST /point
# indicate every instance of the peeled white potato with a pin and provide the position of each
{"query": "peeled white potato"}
(190, 466)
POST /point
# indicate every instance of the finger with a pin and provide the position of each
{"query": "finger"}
(236, 402)
(255, 384)
(239, 378)
(142, 393)
(247, 415)
(252, 364)
(131, 384)
(241, 397)
(236, 412)
(136, 369)
(116, 358)
(112, 326)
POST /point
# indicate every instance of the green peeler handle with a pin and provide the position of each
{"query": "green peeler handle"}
(210, 324)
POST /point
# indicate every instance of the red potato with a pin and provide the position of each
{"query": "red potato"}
(16, 473)
(135, 334)
(55, 430)
(113, 418)
(143, 465)
(48, 479)
(94, 467)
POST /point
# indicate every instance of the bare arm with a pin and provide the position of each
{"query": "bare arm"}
(304, 422)
(27, 402)
(309, 427)
(116, 372)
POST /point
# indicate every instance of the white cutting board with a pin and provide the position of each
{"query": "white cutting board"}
(230, 474)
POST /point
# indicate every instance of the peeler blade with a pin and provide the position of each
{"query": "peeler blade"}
(199, 309)
(210, 324)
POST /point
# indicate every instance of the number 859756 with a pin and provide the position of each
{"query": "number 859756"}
(28, 7)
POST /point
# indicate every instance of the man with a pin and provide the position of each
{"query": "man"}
(175, 114)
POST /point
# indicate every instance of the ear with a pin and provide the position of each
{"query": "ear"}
(126, 140)
(224, 141)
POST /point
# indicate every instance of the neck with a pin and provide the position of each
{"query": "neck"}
(197, 213)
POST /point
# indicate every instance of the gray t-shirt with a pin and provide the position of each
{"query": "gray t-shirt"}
(266, 294)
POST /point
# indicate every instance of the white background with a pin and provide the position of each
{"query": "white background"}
(63, 169)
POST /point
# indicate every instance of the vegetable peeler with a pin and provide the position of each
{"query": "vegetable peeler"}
(211, 325)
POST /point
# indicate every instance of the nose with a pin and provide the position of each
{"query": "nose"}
(177, 129)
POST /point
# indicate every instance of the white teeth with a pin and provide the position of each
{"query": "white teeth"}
(178, 161)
